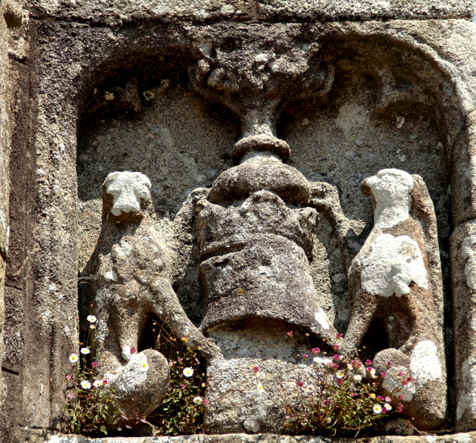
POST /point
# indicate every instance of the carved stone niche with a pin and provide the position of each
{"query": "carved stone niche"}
(264, 228)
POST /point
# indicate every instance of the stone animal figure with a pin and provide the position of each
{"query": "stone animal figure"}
(131, 283)
(396, 278)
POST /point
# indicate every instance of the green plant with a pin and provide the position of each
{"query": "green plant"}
(351, 397)
(90, 408)
(182, 408)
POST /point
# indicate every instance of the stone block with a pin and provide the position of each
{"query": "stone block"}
(463, 259)
(242, 400)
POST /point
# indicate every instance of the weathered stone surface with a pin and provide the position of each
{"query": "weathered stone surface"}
(463, 257)
(140, 384)
(463, 182)
(222, 229)
(402, 92)
(261, 172)
(131, 270)
(269, 438)
(244, 401)
(120, 11)
(396, 277)
(4, 180)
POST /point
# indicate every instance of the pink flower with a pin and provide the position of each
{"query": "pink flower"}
(183, 386)
(205, 402)
(94, 364)
(335, 366)
(69, 377)
(70, 395)
(400, 374)
(368, 362)
(133, 350)
(336, 357)
(383, 374)
(306, 356)
(290, 333)
(316, 351)
(300, 383)
(389, 364)
(356, 364)
(255, 369)
(380, 398)
(339, 335)
(104, 381)
(400, 408)
(336, 347)
(388, 399)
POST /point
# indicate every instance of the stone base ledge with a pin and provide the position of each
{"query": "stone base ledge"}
(466, 437)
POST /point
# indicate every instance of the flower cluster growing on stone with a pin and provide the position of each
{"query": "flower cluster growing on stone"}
(350, 395)
(89, 409)
(185, 401)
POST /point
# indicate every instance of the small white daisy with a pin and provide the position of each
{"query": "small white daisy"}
(198, 400)
(377, 408)
(188, 372)
(340, 374)
(97, 383)
(85, 384)
(387, 407)
(357, 378)
(91, 318)
(73, 358)
(260, 387)
(85, 351)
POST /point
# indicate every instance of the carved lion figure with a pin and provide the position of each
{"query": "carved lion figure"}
(131, 283)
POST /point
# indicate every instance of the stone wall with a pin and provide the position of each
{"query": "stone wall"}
(166, 88)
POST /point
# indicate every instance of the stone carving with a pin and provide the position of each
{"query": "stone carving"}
(260, 247)
(396, 277)
(131, 282)
(404, 95)
(250, 78)
(254, 233)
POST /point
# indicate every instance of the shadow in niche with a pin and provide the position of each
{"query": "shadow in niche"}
(374, 340)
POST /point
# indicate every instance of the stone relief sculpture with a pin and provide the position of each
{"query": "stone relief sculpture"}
(354, 86)
(131, 282)
(255, 231)
(396, 276)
